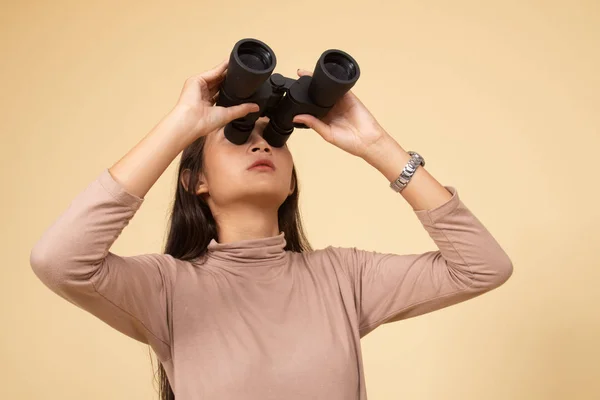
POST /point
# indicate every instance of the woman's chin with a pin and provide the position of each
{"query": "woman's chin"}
(265, 195)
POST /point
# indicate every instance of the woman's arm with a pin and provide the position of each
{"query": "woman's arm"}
(73, 258)
(193, 116)
(139, 169)
(388, 287)
(423, 192)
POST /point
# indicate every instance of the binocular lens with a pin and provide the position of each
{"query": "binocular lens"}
(251, 62)
(254, 56)
(335, 73)
(339, 66)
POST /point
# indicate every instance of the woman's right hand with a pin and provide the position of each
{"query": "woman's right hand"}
(195, 107)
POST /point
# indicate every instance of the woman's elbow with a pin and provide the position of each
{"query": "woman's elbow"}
(41, 265)
(502, 271)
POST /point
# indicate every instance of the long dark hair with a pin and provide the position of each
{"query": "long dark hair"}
(192, 225)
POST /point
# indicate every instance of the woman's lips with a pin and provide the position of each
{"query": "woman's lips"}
(262, 167)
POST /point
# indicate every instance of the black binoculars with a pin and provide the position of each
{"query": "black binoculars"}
(249, 80)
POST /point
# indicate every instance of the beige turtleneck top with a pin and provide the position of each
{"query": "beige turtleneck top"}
(255, 321)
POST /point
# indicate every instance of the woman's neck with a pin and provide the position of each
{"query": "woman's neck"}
(246, 223)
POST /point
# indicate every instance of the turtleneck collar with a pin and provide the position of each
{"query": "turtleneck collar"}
(250, 252)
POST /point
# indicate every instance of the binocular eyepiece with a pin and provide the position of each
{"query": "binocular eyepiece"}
(250, 79)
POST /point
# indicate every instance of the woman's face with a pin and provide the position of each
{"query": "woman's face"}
(228, 178)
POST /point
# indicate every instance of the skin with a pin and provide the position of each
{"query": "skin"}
(244, 202)
(235, 194)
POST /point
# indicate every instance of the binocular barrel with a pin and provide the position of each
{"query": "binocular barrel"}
(335, 73)
(249, 79)
(250, 64)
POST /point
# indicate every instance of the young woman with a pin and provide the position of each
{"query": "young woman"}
(239, 306)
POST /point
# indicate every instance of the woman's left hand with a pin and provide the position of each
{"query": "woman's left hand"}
(348, 125)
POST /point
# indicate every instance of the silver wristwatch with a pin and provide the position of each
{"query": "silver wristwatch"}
(408, 171)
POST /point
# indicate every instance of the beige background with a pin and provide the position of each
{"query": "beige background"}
(501, 97)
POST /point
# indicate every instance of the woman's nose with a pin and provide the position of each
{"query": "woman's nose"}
(260, 147)
(259, 143)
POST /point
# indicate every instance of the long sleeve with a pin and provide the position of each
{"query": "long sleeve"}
(390, 287)
(72, 258)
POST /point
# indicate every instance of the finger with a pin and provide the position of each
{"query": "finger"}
(216, 69)
(316, 125)
(213, 87)
(303, 72)
(216, 82)
(221, 65)
(223, 61)
(239, 111)
(210, 94)
(215, 73)
(213, 91)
